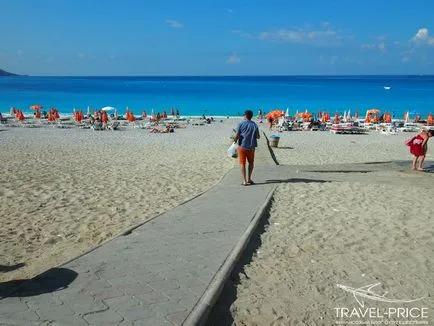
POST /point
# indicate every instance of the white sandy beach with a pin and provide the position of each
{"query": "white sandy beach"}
(64, 191)
(324, 234)
(312, 147)
(350, 233)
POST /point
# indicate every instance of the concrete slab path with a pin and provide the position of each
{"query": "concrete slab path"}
(156, 274)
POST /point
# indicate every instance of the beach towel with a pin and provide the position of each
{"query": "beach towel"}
(410, 141)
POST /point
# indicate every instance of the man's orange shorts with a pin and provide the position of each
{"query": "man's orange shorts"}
(244, 154)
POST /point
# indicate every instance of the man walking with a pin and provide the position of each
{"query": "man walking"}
(247, 133)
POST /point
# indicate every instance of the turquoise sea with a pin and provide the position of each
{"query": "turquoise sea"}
(222, 96)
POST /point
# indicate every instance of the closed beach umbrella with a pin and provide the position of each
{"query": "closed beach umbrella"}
(387, 117)
(324, 118)
(19, 115)
(131, 116)
(78, 115)
(287, 112)
(55, 113)
(51, 116)
(104, 116)
(145, 115)
(172, 112)
(430, 120)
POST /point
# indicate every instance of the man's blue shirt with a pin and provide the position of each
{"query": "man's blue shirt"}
(247, 131)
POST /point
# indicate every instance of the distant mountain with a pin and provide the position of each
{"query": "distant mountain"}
(5, 73)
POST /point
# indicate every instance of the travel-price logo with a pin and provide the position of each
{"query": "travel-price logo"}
(396, 314)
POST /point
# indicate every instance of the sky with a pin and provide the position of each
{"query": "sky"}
(221, 37)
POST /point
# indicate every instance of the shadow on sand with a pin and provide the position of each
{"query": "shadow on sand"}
(220, 314)
(52, 280)
(284, 147)
(291, 180)
(339, 171)
(10, 268)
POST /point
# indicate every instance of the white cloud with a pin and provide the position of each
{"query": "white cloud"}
(382, 47)
(243, 34)
(326, 35)
(374, 46)
(422, 37)
(233, 59)
(174, 23)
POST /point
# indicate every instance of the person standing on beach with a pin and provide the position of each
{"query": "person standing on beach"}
(418, 147)
(247, 134)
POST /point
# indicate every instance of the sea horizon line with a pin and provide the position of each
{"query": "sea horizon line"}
(226, 76)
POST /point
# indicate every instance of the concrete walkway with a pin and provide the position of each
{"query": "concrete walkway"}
(156, 274)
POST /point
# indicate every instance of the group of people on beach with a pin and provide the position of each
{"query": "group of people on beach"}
(247, 134)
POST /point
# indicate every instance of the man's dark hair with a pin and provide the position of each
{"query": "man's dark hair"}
(248, 114)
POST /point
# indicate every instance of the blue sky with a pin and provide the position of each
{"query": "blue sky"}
(160, 37)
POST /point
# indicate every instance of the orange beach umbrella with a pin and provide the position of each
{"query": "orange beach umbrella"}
(36, 107)
(275, 114)
(374, 111)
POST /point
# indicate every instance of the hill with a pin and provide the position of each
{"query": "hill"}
(5, 73)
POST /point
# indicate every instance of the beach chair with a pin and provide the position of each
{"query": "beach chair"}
(115, 125)
(278, 126)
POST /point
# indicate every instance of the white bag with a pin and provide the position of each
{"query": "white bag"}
(233, 150)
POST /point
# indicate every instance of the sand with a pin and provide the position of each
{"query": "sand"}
(353, 232)
(64, 191)
(360, 235)
(317, 147)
